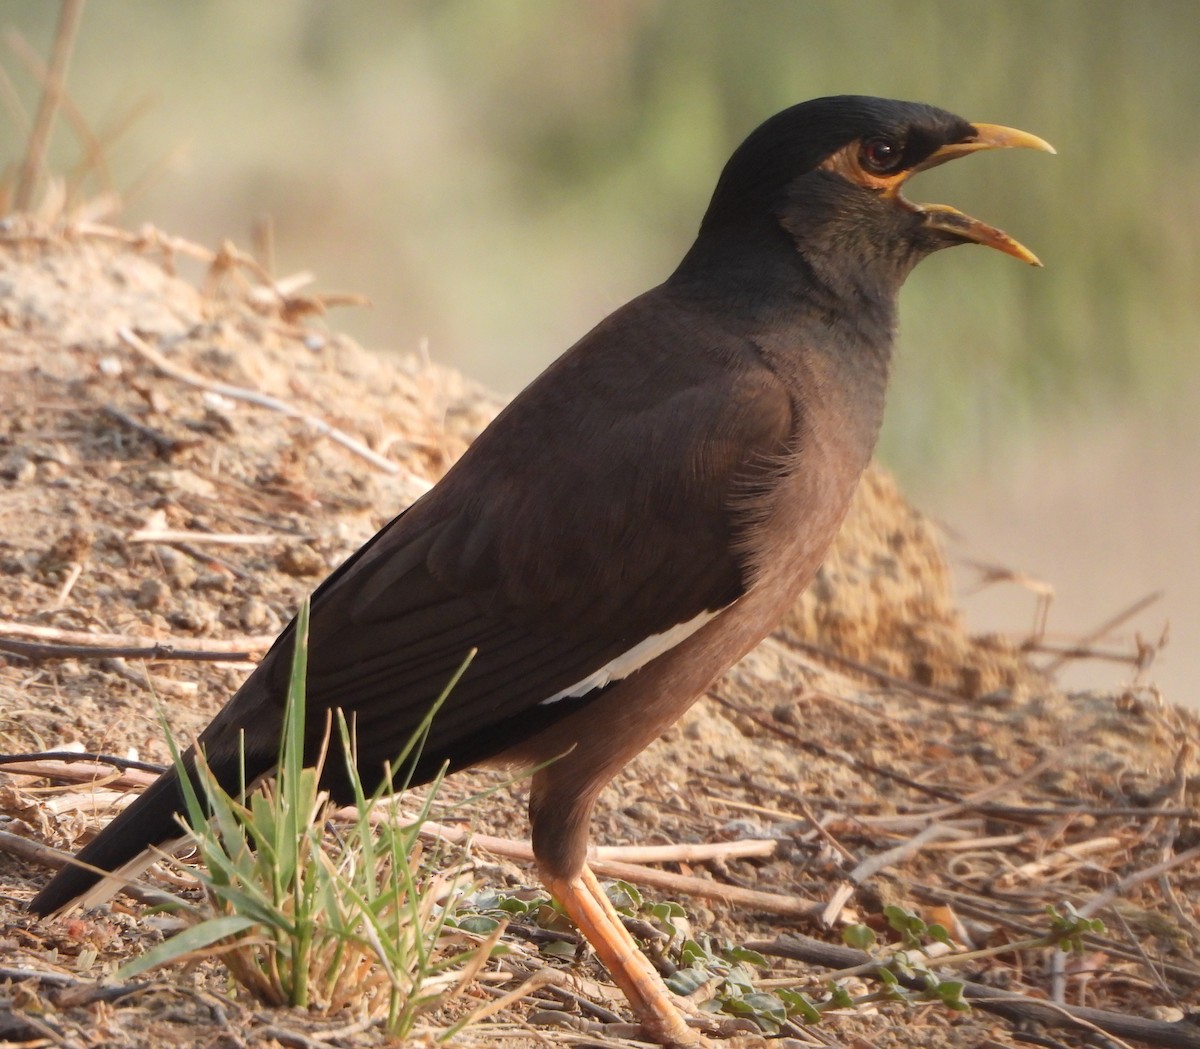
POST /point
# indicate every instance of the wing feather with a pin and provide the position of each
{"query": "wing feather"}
(575, 528)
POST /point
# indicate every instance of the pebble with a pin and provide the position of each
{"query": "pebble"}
(298, 560)
(193, 615)
(152, 594)
(180, 569)
(256, 614)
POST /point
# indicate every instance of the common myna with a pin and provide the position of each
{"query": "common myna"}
(635, 520)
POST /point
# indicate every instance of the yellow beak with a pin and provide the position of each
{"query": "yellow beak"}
(951, 220)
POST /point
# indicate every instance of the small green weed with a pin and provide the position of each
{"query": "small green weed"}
(362, 921)
(729, 979)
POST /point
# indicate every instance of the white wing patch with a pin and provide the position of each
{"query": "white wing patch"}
(633, 659)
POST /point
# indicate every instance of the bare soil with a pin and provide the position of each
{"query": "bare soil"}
(890, 756)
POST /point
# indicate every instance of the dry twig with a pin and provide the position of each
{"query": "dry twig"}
(171, 535)
(34, 161)
(1103, 630)
(262, 400)
(58, 643)
(82, 767)
(703, 888)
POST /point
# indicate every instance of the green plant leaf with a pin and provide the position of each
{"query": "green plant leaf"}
(479, 924)
(800, 1006)
(516, 905)
(625, 898)
(664, 914)
(860, 937)
(908, 923)
(766, 1010)
(747, 956)
(688, 981)
(939, 933)
(194, 938)
(950, 994)
(839, 997)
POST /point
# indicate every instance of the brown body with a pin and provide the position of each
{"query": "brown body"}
(634, 522)
(789, 525)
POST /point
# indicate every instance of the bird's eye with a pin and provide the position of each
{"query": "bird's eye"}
(881, 156)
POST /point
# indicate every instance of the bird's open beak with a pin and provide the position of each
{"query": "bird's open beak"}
(951, 220)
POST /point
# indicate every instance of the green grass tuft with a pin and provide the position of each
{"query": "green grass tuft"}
(361, 921)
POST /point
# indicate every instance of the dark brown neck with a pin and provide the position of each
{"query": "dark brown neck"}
(800, 324)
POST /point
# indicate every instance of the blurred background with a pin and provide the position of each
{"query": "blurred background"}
(496, 177)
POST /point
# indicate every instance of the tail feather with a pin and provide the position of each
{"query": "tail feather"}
(124, 843)
(123, 847)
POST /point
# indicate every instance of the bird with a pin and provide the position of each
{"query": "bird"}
(637, 519)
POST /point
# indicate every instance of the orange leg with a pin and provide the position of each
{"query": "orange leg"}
(584, 900)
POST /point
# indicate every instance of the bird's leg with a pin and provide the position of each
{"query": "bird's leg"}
(589, 908)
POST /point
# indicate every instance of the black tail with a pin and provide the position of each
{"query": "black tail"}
(150, 820)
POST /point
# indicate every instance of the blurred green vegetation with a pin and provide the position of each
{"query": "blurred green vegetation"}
(498, 176)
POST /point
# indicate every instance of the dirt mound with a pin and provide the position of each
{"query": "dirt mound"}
(181, 464)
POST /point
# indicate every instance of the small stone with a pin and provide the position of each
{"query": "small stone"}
(786, 713)
(174, 482)
(180, 569)
(193, 615)
(638, 810)
(298, 560)
(217, 582)
(255, 614)
(152, 594)
(219, 403)
(19, 468)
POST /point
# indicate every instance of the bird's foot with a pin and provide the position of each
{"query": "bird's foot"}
(666, 1018)
(657, 1010)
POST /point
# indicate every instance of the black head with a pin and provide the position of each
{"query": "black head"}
(828, 174)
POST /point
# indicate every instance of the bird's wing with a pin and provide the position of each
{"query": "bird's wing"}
(578, 538)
